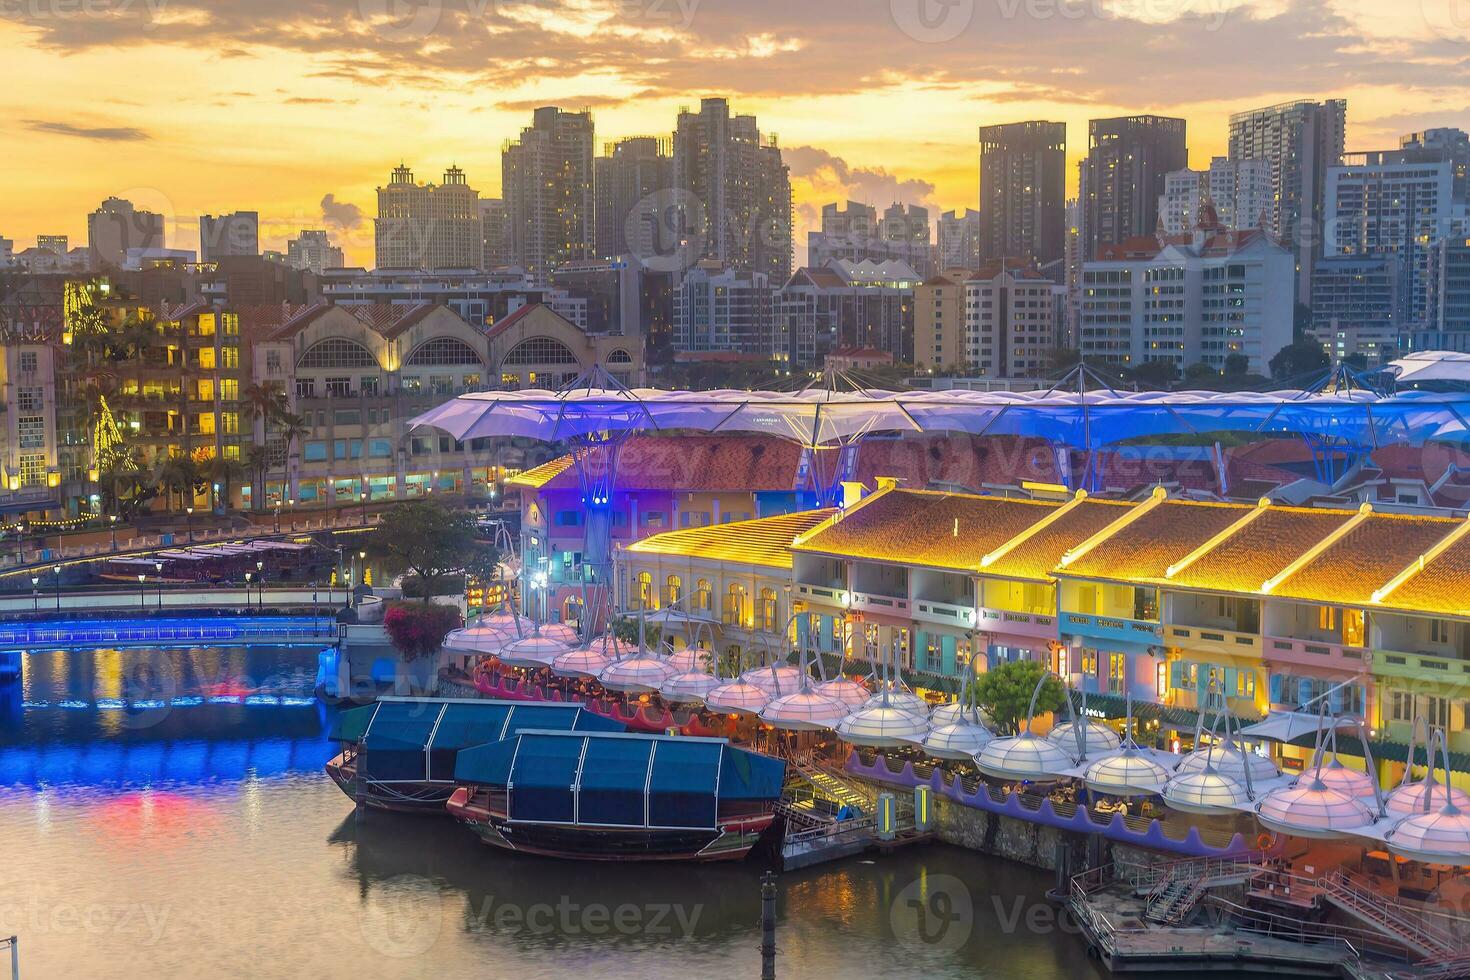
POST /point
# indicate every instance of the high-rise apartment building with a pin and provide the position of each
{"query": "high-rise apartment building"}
(1444, 143)
(855, 233)
(60, 244)
(863, 305)
(547, 185)
(237, 233)
(313, 251)
(1378, 206)
(116, 228)
(495, 247)
(428, 226)
(1123, 176)
(1184, 191)
(1298, 141)
(631, 174)
(721, 309)
(1240, 190)
(742, 186)
(959, 240)
(1023, 176)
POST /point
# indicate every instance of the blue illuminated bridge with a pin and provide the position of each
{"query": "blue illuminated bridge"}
(163, 632)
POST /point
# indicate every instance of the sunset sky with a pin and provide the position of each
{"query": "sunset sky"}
(299, 108)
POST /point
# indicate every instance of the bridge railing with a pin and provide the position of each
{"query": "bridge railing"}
(150, 598)
(286, 629)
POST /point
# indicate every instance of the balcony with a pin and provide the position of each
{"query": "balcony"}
(1420, 666)
(1213, 640)
(1315, 654)
(833, 595)
(1110, 628)
(943, 613)
(1042, 625)
(884, 605)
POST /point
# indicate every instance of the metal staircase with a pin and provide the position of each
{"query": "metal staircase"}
(830, 786)
(1389, 918)
(1175, 897)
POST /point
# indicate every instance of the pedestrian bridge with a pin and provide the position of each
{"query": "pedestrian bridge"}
(172, 631)
(151, 599)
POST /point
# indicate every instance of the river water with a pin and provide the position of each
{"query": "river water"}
(165, 814)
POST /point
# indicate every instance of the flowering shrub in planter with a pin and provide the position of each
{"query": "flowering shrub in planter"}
(417, 629)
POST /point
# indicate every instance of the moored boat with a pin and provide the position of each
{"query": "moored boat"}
(617, 796)
(400, 753)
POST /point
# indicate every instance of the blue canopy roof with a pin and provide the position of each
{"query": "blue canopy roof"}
(418, 739)
(623, 780)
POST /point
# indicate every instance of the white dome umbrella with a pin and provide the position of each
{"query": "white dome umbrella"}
(689, 659)
(534, 651)
(852, 693)
(955, 711)
(898, 697)
(561, 632)
(642, 673)
(1410, 799)
(585, 661)
(1310, 809)
(1438, 837)
(804, 710)
(1205, 793)
(963, 737)
(1024, 757)
(689, 687)
(774, 679)
(737, 697)
(878, 723)
(508, 622)
(480, 639)
(1351, 782)
(1128, 772)
(1228, 760)
(1099, 738)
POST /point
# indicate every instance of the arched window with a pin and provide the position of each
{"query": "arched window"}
(442, 351)
(620, 356)
(733, 613)
(768, 610)
(337, 352)
(703, 595)
(540, 350)
(645, 590)
(673, 590)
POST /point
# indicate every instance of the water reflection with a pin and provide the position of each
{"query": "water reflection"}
(196, 835)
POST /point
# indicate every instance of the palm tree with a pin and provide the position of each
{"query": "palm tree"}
(292, 428)
(257, 462)
(177, 474)
(225, 472)
(265, 400)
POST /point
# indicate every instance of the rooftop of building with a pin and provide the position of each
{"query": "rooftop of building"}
(691, 464)
(764, 541)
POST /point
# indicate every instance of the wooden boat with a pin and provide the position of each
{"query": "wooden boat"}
(400, 753)
(617, 796)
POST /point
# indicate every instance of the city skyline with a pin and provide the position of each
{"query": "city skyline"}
(882, 114)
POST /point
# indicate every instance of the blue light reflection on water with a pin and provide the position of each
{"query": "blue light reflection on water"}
(122, 720)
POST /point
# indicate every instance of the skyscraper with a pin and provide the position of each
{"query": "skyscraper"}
(959, 239)
(1023, 180)
(495, 249)
(632, 171)
(116, 226)
(1298, 141)
(428, 226)
(313, 251)
(237, 233)
(741, 184)
(546, 181)
(1123, 176)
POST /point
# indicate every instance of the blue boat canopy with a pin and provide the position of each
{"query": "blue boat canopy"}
(620, 780)
(418, 739)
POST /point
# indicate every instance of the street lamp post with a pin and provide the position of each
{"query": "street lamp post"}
(260, 581)
(189, 518)
(158, 567)
(247, 591)
(291, 511)
(57, 570)
(278, 518)
(364, 496)
(142, 592)
(35, 593)
(20, 537)
(362, 567)
(112, 519)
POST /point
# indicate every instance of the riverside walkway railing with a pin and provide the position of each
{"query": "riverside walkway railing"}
(203, 631)
(151, 598)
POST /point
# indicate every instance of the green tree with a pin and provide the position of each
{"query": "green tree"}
(1236, 365)
(427, 539)
(1004, 692)
(1156, 374)
(625, 631)
(257, 462)
(1200, 373)
(1301, 358)
(226, 472)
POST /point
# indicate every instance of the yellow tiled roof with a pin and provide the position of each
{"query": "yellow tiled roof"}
(1366, 558)
(923, 527)
(1145, 549)
(538, 476)
(1442, 587)
(1265, 547)
(1037, 557)
(764, 541)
